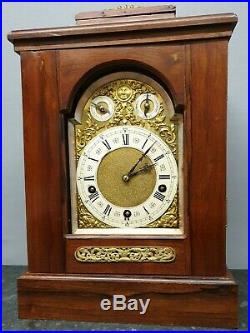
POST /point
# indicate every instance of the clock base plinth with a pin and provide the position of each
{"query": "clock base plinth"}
(186, 301)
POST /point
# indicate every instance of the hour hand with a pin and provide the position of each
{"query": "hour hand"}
(146, 167)
(140, 159)
(143, 169)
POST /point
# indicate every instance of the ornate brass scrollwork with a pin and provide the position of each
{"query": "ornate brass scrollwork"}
(125, 254)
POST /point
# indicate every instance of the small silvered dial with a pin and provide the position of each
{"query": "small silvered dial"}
(147, 106)
(102, 108)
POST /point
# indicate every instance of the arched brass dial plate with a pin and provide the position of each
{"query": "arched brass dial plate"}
(125, 93)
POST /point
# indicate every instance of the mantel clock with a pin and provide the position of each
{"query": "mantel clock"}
(125, 164)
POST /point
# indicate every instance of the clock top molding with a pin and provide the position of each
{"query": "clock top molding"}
(125, 26)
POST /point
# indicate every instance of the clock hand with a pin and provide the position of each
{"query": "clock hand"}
(146, 167)
(101, 108)
(146, 106)
(140, 159)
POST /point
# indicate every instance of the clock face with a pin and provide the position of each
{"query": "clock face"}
(125, 154)
(127, 176)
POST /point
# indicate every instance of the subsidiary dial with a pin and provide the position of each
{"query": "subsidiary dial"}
(147, 106)
(102, 108)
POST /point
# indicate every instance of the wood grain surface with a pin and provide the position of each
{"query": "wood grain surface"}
(126, 11)
(77, 69)
(125, 33)
(180, 301)
(208, 93)
(180, 266)
(44, 172)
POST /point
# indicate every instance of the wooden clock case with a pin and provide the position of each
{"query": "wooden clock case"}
(188, 56)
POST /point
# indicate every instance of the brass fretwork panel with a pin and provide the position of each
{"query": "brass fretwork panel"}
(125, 254)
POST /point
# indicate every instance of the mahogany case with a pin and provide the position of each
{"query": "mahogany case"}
(189, 56)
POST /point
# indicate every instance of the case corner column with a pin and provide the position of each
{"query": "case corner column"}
(44, 175)
(208, 92)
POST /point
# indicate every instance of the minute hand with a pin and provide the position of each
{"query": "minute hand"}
(140, 159)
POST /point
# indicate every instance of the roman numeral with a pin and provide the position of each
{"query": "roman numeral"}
(159, 196)
(164, 176)
(106, 144)
(146, 210)
(125, 139)
(107, 210)
(88, 178)
(93, 159)
(158, 158)
(94, 196)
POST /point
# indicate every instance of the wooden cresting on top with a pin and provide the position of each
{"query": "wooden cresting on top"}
(126, 13)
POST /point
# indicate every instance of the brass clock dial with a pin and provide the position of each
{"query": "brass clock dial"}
(127, 176)
(126, 173)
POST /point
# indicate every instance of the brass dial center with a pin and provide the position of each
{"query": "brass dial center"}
(112, 178)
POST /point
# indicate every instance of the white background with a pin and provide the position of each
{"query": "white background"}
(38, 15)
